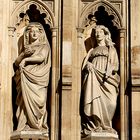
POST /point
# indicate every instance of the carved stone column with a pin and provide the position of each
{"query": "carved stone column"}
(5, 93)
(54, 83)
(122, 82)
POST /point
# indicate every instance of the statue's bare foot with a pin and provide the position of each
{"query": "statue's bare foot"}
(109, 129)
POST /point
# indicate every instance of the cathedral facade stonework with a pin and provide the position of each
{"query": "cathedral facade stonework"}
(70, 28)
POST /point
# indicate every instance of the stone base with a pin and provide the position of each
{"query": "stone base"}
(29, 135)
(101, 136)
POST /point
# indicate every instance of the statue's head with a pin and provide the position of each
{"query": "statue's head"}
(35, 32)
(103, 33)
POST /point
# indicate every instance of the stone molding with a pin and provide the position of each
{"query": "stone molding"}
(135, 83)
(101, 136)
(23, 6)
(92, 7)
(27, 135)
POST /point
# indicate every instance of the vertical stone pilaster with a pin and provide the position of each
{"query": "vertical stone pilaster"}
(135, 67)
(6, 69)
(122, 82)
(54, 83)
(78, 71)
(70, 118)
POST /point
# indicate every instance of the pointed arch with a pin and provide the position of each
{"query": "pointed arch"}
(24, 6)
(93, 7)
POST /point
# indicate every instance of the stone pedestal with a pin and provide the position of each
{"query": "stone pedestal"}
(29, 135)
(101, 136)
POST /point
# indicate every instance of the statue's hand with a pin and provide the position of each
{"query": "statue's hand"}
(109, 72)
(105, 78)
(22, 63)
(89, 66)
(107, 75)
(28, 51)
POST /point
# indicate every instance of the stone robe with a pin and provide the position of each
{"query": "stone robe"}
(32, 86)
(98, 97)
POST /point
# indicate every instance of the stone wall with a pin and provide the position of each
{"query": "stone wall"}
(135, 68)
(71, 65)
(70, 106)
(6, 66)
(0, 40)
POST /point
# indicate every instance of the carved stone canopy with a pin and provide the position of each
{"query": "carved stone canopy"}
(32, 11)
(100, 6)
(35, 10)
(103, 13)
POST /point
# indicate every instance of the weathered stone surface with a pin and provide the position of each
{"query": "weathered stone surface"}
(26, 135)
(101, 136)
(69, 117)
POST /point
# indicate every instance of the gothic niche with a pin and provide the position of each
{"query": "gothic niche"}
(97, 22)
(31, 83)
(34, 15)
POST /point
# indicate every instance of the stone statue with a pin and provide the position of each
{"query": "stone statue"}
(100, 83)
(32, 79)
